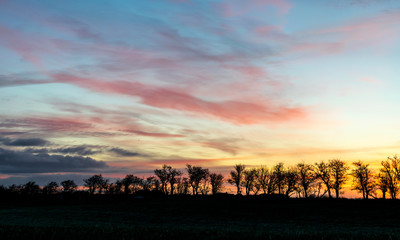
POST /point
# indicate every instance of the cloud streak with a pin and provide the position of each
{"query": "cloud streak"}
(124, 153)
(25, 162)
(23, 142)
(233, 111)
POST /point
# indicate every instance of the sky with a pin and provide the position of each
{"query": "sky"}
(118, 87)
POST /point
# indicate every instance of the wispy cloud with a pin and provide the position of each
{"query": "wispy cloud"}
(124, 152)
(232, 111)
(24, 142)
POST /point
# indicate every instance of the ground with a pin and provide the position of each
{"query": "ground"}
(201, 218)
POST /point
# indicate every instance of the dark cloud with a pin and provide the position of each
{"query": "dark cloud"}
(26, 162)
(80, 150)
(37, 150)
(24, 142)
(123, 152)
(7, 132)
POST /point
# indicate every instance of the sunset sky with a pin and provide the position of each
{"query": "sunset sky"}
(117, 87)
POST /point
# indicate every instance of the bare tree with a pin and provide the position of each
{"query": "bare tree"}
(115, 188)
(216, 181)
(263, 178)
(249, 180)
(130, 183)
(291, 177)
(16, 188)
(205, 184)
(395, 162)
(196, 175)
(323, 172)
(237, 177)
(69, 186)
(389, 175)
(167, 174)
(182, 185)
(149, 183)
(163, 176)
(50, 188)
(306, 177)
(339, 174)
(104, 185)
(156, 184)
(95, 182)
(382, 184)
(363, 180)
(278, 172)
(31, 188)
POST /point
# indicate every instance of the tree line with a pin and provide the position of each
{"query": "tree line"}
(321, 179)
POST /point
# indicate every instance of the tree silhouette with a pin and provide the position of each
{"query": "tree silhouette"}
(306, 177)
(279, 176)
(263, 178)
(249, 180)
(172, 177)
(307, 180)
(104, 185)
(148, 183)
(167, 174)
(339, 174)
(323, 172)
(30, 188)
(382, 184)
(15, 188)
(69, 186)
(363, 180)
(130, 183)
(216, 181)
(50, 188)
(291, 177)
(237, 176)
(182, 185)
(395, 162)
(205, 184)
(163, 176)
(196, 175)
(389, 175)
(95, 182)
(115, 188)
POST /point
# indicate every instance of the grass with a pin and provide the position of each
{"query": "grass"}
(206, 218)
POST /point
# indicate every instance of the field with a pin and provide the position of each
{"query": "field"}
(201, 218)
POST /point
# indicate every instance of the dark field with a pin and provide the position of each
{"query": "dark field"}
(201, 218)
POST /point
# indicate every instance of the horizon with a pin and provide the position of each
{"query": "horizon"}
(122, 88)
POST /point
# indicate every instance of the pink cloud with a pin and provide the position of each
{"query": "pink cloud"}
(162, 97)
(153, 134)
(268, 30)
(20, 44)
(56, 124)
(318, 48)
(88, 126)
(237, 8)
(374, 32)
(224, 146)
(371, 80)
